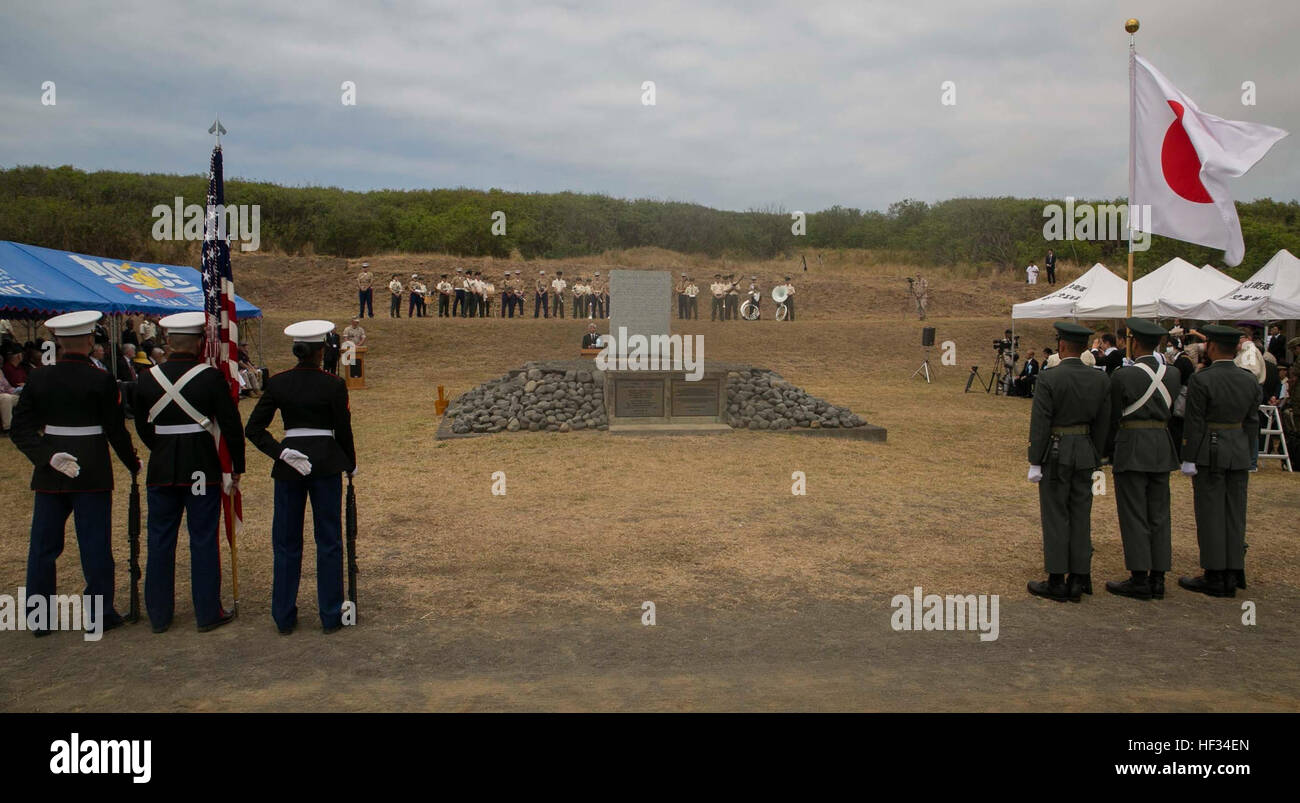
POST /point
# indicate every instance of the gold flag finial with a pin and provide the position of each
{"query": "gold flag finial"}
(1131, 25)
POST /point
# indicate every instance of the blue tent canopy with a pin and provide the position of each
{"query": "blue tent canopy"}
(42, 282)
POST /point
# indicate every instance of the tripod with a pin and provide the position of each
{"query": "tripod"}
(974, 377)
(925, 367)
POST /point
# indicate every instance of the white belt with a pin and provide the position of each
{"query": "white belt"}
(178, 429)
(308, 432)
(73, 432)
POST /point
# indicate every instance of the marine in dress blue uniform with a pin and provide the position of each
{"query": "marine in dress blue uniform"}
(67, 416)
(183, 403)
(309, 463)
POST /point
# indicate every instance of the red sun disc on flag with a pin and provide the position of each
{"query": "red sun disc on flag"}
(1181, 165)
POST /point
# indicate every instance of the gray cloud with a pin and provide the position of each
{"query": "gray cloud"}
(759, 104)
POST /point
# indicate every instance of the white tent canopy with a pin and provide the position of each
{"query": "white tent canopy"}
(1098, 287)
(1273, 293)
(1172, 289)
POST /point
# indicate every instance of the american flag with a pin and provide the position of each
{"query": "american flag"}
(222, 334)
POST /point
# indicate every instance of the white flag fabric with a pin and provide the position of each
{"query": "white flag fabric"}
(1182, 160)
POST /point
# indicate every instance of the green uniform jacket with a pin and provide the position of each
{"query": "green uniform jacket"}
(1221, 394)
(1069, 395)
(1142, 449)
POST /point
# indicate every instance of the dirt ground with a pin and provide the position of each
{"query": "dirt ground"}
(763, 600)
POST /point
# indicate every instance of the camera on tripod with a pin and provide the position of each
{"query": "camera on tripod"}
(1006, 344)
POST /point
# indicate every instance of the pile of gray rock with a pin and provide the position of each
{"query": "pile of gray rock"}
(761, 399)
(540, 397)
(568, 395)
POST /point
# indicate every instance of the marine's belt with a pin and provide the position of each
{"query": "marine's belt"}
(1220, 425)
(1077, 429)
(1145, 424)
(178, 429)
(308, 432)
(73, 432)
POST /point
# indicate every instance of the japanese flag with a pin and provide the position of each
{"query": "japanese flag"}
(1182, 160)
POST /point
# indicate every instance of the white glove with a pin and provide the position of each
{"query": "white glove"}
(229, 482)
(355, 471)
(1189, 469)
(1035, 473)
(65, 464)
(297, 460)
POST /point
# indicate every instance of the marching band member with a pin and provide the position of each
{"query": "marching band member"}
(317, 448)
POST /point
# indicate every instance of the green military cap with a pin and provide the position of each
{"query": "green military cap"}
(1145, 329)
(1223, 335)
(1072, 332)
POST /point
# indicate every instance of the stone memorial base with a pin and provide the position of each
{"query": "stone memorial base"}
(666, 403)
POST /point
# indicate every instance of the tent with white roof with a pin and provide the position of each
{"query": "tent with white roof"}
(1273, 294)
(1097, 287)
(1172, 289)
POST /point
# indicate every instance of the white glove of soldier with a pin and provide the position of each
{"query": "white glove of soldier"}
(355, 471)
(65, 464)
(297, 460)
(229, 483)
(1189, 469)
(1035, 473)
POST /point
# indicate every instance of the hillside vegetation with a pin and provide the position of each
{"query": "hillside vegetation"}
(111, 213)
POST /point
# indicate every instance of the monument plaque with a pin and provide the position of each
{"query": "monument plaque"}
(695, 398)
(639, 398)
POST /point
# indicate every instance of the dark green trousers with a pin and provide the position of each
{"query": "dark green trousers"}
(1142, 500)
(1219, 499)
(1065, 503)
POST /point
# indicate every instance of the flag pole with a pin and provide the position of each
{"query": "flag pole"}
(1131, 25)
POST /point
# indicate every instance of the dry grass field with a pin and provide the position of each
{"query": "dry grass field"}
(764, 600)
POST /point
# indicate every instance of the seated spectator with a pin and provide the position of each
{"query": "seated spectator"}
(141, 360)
(1024, 383)
(97, 356)
(158, 355)
(15, 369)
(32, 354)
(8, 400)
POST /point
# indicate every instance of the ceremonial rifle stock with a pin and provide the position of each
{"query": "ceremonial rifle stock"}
(133, 543)
(351, 541)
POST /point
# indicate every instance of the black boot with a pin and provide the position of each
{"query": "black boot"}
(1240, 575)
(1211, 584)
(1157, 582)
(1136, 587)
(1054, 588)
(1079, 584)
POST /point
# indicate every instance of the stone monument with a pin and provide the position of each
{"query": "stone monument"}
(666, 398)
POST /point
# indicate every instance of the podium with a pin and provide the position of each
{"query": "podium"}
(355, 374)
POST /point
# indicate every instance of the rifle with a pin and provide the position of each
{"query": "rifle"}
(133, 543)
(350, 518)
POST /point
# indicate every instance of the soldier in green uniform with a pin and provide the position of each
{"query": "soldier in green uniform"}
(1142, 453)
(1067, 433)
(1221, 423)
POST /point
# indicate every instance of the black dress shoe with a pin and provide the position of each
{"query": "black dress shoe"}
(113, 621)
(284, 631)
(1132, 587)
(1241, 578)
(331, 628)
(1084, 582)
(1157, 581)
(42, 633)
(223, 619)
(1210, 584)
(1057, 592)
(160, 628)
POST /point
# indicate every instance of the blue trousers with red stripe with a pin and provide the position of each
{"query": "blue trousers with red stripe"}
(93, 515)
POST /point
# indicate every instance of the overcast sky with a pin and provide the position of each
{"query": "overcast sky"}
(798, 105)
